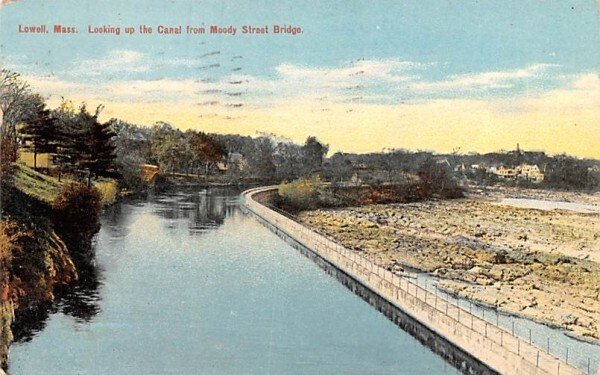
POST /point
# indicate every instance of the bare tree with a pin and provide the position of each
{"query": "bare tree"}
(14, 95)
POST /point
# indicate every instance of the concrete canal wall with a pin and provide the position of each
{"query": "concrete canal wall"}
(468, 342)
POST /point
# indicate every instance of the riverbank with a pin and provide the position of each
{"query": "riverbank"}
(38, 221)
(542, 265)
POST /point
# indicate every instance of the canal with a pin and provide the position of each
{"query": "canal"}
(186, 283)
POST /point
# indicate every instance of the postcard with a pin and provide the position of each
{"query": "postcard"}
(286, 187)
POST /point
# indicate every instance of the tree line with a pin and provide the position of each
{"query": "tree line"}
(84, 146)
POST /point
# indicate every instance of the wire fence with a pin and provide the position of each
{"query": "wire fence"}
(445, 314)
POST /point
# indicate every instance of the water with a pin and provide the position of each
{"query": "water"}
(581, 354)
(185, 283)
(540, 204)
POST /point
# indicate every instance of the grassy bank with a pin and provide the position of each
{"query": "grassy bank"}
(44, 224)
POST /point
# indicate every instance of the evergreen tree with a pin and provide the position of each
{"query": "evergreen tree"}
(86, 145)
(39, 131)
(101, 149)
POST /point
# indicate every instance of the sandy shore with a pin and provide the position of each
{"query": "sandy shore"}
(544, 265)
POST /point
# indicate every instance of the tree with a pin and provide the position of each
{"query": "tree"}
(208, 150)
(288, 159)
(85, 144)
(435, 175)
(13, 94)
(101, 148)
(313, 154)
(566, 172)
(339, 168)
(170, 148)
(39, 131)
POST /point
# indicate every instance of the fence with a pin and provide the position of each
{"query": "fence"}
(495, 346)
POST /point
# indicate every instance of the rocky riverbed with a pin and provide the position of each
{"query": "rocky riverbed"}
(543, 265)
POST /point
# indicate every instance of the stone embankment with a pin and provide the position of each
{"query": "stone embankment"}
(472, 344)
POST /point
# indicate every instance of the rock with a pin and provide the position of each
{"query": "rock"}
(483, 281)
(496, 273)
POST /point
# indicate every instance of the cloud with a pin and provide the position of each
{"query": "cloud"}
(116, 61)
(485, 81)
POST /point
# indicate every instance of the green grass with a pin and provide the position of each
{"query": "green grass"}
(37, 185)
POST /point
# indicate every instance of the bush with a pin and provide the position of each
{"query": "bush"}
(404, 193)
(77, 211)
(108, 190)
(301, 194)
(436, 179)
(132, 176)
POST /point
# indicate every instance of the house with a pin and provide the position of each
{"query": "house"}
(530, 173)
(222, 167)
(527, 172)
(45, 161)
(505, 172)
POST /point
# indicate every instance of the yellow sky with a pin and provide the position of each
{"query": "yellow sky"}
(559, 121)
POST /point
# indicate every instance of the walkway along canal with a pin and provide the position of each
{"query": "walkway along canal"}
(471, 343)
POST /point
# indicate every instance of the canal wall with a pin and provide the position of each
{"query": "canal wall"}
(471, 344)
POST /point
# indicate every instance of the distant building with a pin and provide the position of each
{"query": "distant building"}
(46, 161)
(527, 172)
(506, 173)
(530, 173)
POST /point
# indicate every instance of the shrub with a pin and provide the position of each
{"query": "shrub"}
(132, 176)
(108, 190)
(301, 194)
(7, 243)
(436, 179)
(77, 214)
(404, 193)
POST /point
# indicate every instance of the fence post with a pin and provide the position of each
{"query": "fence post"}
(548, 347)
(567, 356)
(537, 361)
(513, 327)
(529, 336)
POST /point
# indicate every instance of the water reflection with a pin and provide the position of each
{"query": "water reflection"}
(79, 300)
(203, 209)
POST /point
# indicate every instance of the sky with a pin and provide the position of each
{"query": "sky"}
(439, 75)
